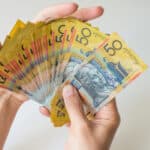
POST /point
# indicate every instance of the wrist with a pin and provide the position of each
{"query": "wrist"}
(9, 106)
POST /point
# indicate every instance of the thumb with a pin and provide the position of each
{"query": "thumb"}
(73, 105)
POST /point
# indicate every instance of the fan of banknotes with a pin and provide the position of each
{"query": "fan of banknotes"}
(39, 59)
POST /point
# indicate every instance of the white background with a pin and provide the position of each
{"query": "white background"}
(131, 18)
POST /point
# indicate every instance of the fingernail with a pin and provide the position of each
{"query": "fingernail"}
(100, 9)
(68, 91)
(75, 4)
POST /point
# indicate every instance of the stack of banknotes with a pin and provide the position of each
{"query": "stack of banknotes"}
(39, 59)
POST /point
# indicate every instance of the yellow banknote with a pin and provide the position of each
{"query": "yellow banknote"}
(120, 59)
(38, 59)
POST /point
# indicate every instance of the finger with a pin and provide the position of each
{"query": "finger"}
(56, 11)
(73, 105)
(108, 109)
(109, 115)
(44, 111)
(112, 106)
(20, 97)
(14, 95)
(4, 95)
(88, 13)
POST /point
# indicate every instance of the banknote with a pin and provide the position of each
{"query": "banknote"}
(5, 73)
(39, 59)
(98, 86)
(122, 61)
(74, 62)
(14, 57)
(94, 83)
(60, 46)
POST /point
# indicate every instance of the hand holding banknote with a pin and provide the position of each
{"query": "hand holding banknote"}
(10, 101)
(84, 134)
(89, 135)
(43, 58)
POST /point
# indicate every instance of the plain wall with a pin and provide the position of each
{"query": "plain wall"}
(131, 19)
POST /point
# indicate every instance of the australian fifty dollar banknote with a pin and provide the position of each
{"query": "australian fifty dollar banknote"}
(39, 59)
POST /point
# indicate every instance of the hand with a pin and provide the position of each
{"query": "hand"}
(68, 9)
(64, 10)
(10, 102)
(96, 134)
(11, 97)
(84, 134)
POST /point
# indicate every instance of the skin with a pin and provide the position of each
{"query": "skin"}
(96, 134)
(83, 134)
